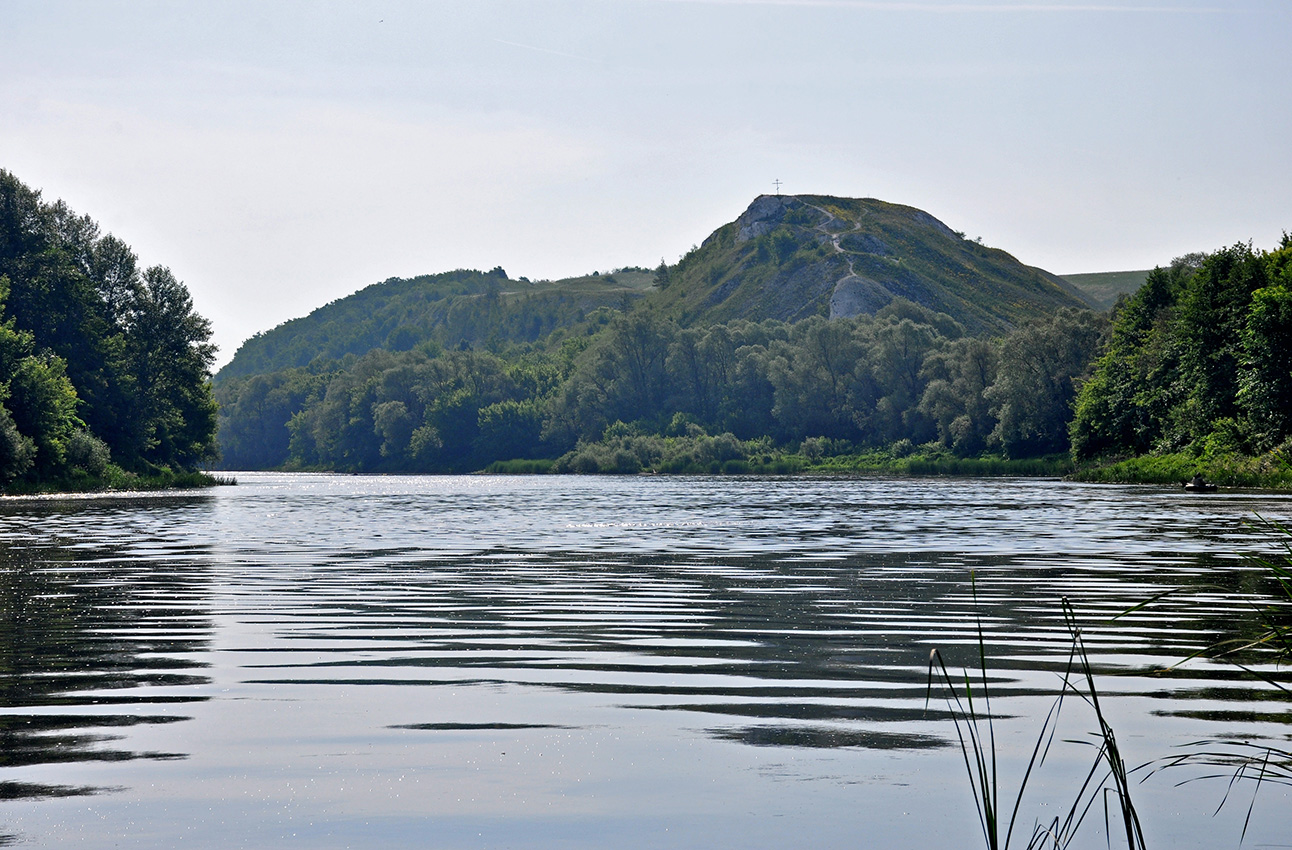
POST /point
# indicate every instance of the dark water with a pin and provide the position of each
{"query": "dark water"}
(336, 661)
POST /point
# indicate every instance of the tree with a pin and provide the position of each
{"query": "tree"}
(622, 376)
(1213, 317)
(955, 399)
(662, 279)
(1265, 368)
(128, 347)
(37, 404)
(169, 353)
(1036, 382)
(897, 358)
(1136, 384)
(821, 379)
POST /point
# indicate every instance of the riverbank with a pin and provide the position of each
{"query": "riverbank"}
(114, 479)
(727, 455)
(1267, 472)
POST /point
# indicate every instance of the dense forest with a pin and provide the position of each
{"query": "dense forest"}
(1199, 357)
(1197, 361)
(727, 390)
(104, 366)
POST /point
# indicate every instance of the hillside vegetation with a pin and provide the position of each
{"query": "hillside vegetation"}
(455, 309)
(785, 258)
(811, 332)
(104, 366)
(1104, 288)
(805, 322)
(790, 257)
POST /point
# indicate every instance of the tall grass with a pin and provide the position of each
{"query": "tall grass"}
(1108, 776)
(1227, 470)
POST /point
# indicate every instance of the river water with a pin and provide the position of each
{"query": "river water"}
(647, 662)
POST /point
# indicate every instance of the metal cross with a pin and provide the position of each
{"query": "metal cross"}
(778, 186)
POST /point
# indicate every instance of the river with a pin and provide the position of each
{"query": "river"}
(586, 662)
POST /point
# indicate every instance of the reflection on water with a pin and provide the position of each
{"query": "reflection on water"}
(89, 640)
(537, 662)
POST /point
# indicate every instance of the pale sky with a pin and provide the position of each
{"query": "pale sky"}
(280, 155)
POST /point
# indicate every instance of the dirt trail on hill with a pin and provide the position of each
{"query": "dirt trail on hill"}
(835, 237)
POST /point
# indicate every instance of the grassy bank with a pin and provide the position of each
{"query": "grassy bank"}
(1227, 470)
(115, 479)
(935, 464)
(623, 451)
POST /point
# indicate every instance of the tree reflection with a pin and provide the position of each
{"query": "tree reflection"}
(87, 627)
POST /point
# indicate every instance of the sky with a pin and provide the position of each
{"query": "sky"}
(280, 155)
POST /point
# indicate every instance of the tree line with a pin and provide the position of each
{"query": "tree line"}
(104, 365)
(904, 374)
(1199, 357)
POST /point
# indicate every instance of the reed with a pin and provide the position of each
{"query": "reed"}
(1108, 776)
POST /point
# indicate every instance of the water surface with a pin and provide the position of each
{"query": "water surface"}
(447, 661)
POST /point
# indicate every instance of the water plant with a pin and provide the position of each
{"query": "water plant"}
(1108, 777)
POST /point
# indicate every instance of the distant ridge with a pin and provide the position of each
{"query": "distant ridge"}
(1105, 287)
(449, 310)
(792, 256)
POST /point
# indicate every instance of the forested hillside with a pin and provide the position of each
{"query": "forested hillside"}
(905, 374)
(785, 258)
(455, 309)
(806, 328)
(104, 366)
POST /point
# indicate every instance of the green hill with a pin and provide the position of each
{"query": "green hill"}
(450, 310)
(1104, 287)
(790, 257)
(785, 258)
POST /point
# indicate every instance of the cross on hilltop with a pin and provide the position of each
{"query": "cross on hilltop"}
(778, 187)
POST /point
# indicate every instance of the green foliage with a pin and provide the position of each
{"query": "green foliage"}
(102, 366)
(1036, 382)
(625, 450)
(954, 397)
(904, 375)
(463, 370)
(17, 451)
(43, 403)
(535, 466)
(405, 411)
(1199, 358)
(1213, 315)
(1227, 470)
(457, 309)
(1265, 382)
(254, 412)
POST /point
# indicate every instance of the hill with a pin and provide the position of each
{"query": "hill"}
(1105, 287)
(420, 374)
(449, 310)
(790, 257)
(784, 258)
